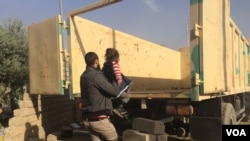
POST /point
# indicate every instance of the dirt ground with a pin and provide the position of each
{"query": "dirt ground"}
(80, 136)
(83, 135)
(86, 137)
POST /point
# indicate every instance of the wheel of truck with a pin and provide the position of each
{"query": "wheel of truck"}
(181, 132)
(228, 115)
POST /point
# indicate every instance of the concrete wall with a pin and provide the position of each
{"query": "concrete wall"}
(39, 116)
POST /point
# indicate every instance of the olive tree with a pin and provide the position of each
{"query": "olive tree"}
(13, 61)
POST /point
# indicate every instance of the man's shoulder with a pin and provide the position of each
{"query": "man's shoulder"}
(98, 74)
(92, 74)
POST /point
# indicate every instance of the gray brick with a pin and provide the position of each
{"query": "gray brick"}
(133, 135)
(162, 137)
(148, 126)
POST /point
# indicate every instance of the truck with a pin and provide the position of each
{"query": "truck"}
(203, 85)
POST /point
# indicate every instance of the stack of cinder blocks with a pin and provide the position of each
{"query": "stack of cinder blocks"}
(145, 130)
(25, 124)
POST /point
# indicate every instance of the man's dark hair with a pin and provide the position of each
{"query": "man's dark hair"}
(90, 58)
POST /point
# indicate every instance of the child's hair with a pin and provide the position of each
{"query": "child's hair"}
(111, 54)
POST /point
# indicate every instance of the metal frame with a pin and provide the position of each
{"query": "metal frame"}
(92, 7)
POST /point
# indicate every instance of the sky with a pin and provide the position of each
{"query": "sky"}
(160, 21)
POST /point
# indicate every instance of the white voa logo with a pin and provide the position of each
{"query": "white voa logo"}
(236, 132)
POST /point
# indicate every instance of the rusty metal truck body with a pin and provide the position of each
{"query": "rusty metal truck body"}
(194, 86)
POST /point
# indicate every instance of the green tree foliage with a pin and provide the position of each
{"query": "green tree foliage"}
(13, 60)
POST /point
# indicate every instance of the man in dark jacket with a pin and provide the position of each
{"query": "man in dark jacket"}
(96, 93)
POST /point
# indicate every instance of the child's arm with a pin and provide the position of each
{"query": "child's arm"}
(117, 72)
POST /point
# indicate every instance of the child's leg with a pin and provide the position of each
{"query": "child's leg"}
(123, 98)
(122, 101)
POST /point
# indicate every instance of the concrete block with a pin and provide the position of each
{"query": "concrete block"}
(162, 137)
(26, 104)
(36, 123)
(32, 118)
(148, 126)
(12, 139)
(133, 135)
(16, 121)
(24, 112)
(14, 131)
(16, 112)
(7, 139)
(41, 133)
(16, 138)
(33, 139)
(53, 136)
(26, 96)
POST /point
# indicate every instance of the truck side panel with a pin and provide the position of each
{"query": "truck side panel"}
(223, 56)
(150, 66)
(240, 61)
(45, 57)
(185, 67)
(213, 46)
